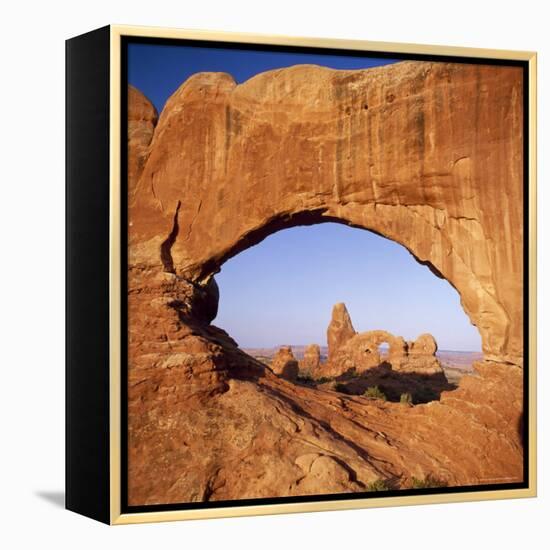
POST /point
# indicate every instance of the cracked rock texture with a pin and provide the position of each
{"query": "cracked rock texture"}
(426, 154)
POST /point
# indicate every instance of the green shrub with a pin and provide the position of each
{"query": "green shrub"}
(406, 399)
(429, 482)
(322, 380)
(374, 392)
(342, 388)
(378, 485)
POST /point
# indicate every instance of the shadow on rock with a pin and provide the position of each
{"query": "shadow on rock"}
(422, 388)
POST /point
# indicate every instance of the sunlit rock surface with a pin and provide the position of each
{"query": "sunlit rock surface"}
(360, 352)
(426, 154)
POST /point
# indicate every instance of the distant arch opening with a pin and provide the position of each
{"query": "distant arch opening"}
(384, 350)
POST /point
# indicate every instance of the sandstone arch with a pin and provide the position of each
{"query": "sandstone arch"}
(426, 154)
(359, 352)
(374, 338)
(433, 163)
(362, 353)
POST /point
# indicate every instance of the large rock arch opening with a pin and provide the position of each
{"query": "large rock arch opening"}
(426, 154)
(282, 292)
(308, 218)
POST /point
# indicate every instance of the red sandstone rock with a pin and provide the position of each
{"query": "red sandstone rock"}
(425, 344)
(142, 119)
(359, 353)
(340, 329)
(426, 154)
(311, 363)
(284, 363)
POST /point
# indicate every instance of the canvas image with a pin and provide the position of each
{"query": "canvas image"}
(324, 277)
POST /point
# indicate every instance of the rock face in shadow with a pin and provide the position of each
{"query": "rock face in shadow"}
(396, 386)
(426, 154)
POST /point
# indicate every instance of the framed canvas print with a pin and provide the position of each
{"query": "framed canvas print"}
(300, 274)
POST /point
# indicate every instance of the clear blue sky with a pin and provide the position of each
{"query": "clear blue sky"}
(158, 70)
(282, 290)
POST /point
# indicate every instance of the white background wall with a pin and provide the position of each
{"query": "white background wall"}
(32, 272)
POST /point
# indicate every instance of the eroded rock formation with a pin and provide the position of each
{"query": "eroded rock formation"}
(359, 352)
(142, 119)
(284, 363)
(421, 356)
(340, 329)
(426, 154)
(311, 363)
